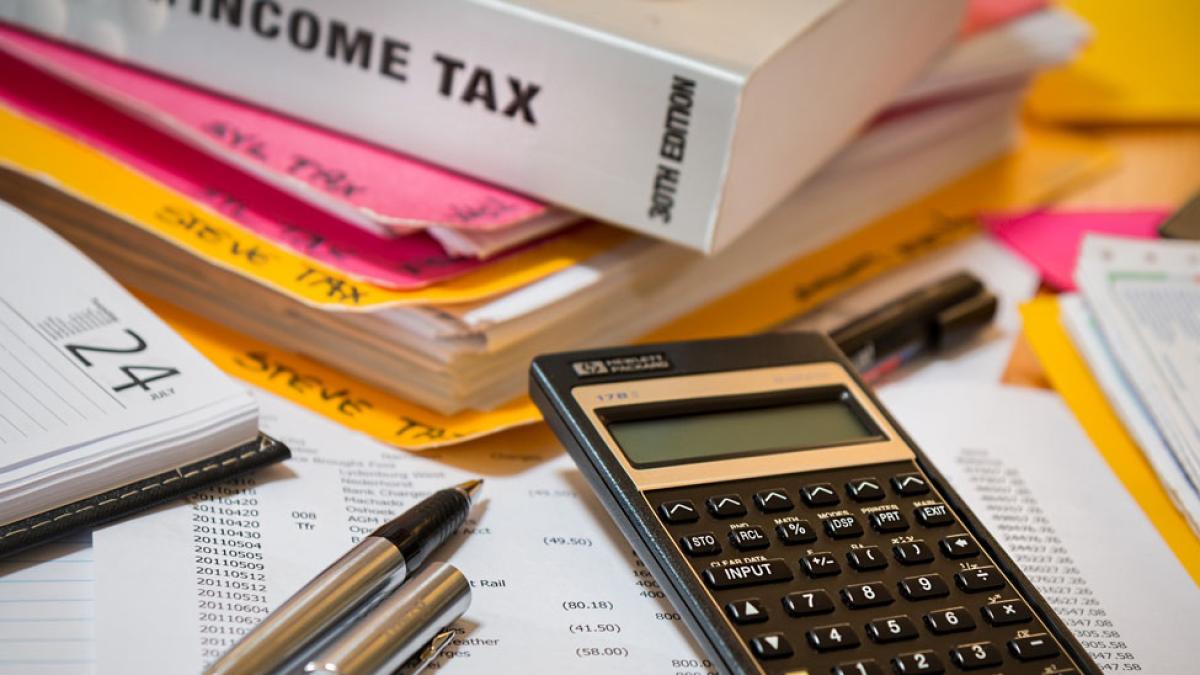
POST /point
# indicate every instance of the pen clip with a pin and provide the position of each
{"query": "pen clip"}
(428, 653)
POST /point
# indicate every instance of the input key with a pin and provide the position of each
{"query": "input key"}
(768, 571)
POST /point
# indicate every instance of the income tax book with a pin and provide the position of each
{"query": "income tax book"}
(685, 121)
(104, 410)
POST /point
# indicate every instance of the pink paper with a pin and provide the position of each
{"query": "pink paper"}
(385, 187)
(406, 262)
(1051, 239)
(985, 14)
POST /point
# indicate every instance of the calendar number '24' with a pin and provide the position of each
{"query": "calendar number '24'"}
(139, 375)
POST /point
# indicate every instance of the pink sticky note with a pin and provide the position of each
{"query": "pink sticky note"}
(985, 14)
(1051, 239)
(404, 262)
(384, 187)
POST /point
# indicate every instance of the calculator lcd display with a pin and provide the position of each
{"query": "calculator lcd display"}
(683, 438)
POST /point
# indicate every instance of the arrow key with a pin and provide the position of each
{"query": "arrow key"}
(771, 646)
(726, 506)
(865, 489)
(682, 511)
(909, 484)
(819, 494)
(769, 501)
(959, 546)
(750, 610)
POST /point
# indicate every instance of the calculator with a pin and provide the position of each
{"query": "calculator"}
(788, 518)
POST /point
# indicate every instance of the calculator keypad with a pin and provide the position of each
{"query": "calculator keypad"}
(858, 570)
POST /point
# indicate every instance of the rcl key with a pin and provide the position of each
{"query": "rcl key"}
(749, 538)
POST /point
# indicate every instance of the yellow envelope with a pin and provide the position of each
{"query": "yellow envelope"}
(47, 155)
(1073, 380)
(323, 390)
(1142, 65)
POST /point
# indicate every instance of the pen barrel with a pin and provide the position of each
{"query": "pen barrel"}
(399, 626)
(368, 570)
(427, 525)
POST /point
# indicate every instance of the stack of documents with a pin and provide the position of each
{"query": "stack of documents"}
(1137, 323)
(447, 313)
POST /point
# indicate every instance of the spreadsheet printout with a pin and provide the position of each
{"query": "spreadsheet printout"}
(557, 589)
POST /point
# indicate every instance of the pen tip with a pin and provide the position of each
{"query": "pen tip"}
(470, 488)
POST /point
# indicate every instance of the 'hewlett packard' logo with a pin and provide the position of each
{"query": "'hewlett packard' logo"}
(621, 364)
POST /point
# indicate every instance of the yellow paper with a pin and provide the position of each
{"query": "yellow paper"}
(75, 168)
(328, 392)
(1070, 375)
(1045, 164)
(1143, 64)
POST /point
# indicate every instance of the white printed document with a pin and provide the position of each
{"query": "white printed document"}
(1094, 349)
(1025, 467)
(557, 589)
(1145, 298)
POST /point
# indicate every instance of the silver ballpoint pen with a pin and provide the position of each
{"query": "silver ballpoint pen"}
(358, 579)
(407, 629)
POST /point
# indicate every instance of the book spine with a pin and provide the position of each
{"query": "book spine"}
(539, 105)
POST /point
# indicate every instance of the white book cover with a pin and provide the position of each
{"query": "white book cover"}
(683, 120)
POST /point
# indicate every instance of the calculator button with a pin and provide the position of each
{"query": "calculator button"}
(1033, 647)
(952, 620)
(892, 629)
(979, 579)
(750, 610)
(796, 532)
(771, 646)
(1006, 612)
(808, 603)
(867, 558)
(959, 546)
(843, 527)
(924, 586)
(749, 538)
(934, 515)
(769, 501)
(868, 667)
(890, 520)
(857, 596)
(820, 564)
(726, 506)
(700, 544)
(976, 656)
(913, 552)
(909, 484)
(865, 489)
(748, 574)
(682, 511)
(819, 494)
(836, 636)
(918, 662)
